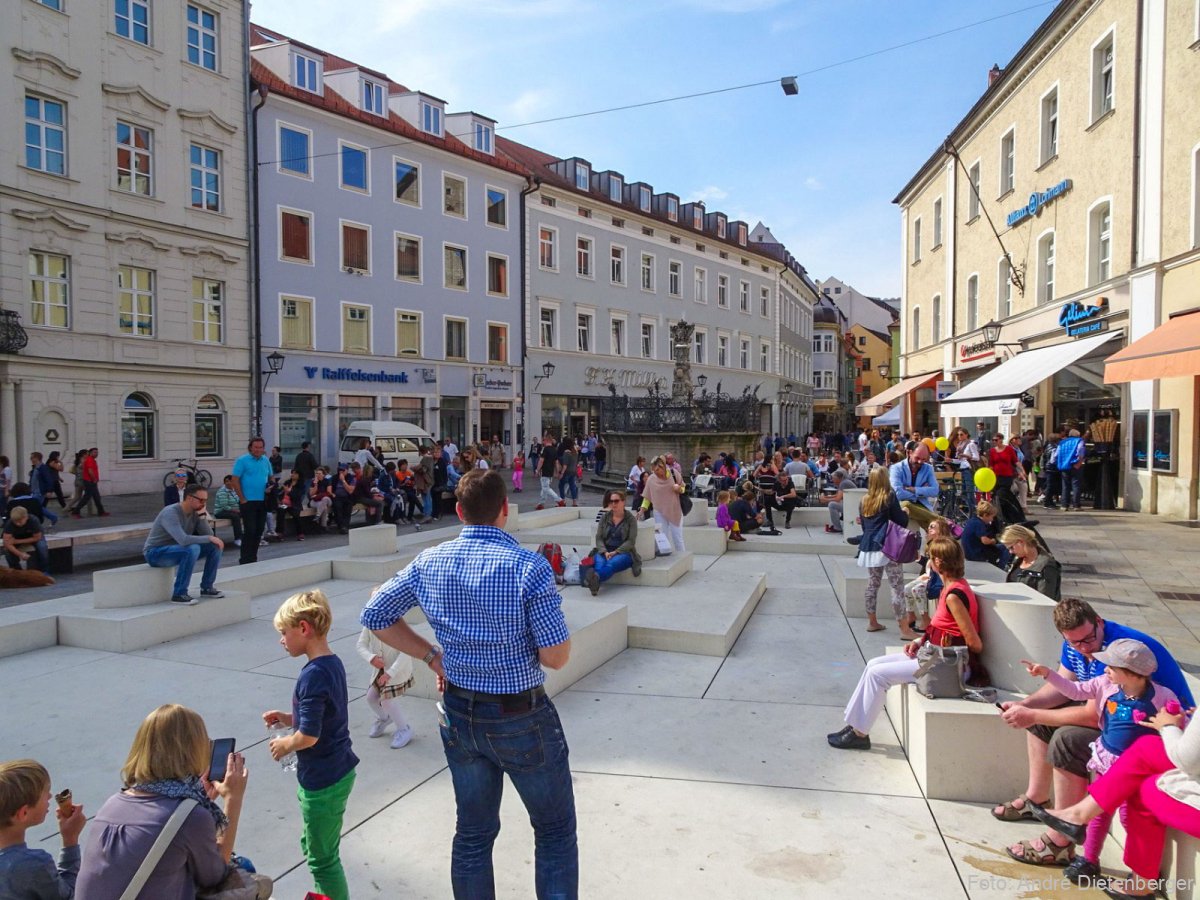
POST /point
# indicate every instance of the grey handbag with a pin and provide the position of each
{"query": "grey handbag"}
(940, 671)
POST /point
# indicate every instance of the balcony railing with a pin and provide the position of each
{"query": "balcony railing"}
(825, 393)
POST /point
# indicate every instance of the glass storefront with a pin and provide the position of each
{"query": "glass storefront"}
(452, 420)
(354, 408)
(1080, 399)
(299, 421)
(410, 410)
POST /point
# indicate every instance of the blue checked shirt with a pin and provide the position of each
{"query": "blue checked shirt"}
(491, 603)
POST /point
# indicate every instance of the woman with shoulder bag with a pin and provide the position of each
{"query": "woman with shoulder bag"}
(1031, 564)
(167, 770)
(880, 507)
(955, 623)
(661, 493)
(615, 547)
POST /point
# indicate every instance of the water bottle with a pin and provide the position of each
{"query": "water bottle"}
(278, 731)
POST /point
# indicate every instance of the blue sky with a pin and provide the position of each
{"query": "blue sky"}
(820, 168)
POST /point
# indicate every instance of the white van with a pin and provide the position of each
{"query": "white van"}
(393, 441)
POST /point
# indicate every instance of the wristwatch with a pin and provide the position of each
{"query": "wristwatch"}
(428, 657)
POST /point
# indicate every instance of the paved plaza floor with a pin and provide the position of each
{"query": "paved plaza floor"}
(695, 776)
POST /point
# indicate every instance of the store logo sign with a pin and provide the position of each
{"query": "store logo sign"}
(1079, 319)
(347, 374)
(1037, 202)
(978, 350)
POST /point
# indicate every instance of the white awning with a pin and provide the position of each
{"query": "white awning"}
(891, 417)
(1005, 384)
(879, 403)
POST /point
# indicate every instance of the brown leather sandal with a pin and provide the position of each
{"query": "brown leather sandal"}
(1050, 855)
(1012, 813)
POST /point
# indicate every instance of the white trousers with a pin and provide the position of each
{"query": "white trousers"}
(881, 673)
(548, 491)
(674, 533)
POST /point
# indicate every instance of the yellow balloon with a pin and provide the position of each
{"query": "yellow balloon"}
(942, 444)
(985, 479)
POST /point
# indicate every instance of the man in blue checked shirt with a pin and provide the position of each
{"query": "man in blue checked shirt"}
(497, 614)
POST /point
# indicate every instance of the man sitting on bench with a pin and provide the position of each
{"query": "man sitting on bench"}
(180, 536)
(24, 541)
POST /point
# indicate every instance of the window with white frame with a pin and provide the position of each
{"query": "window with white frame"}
(497, 343)
(454, 267)
(675, 278)
(583, 177)
(356, 247)
(614, 189)
(583, 332)
(408, 333)
(547, 248)
(296, 323)
(483, 138)
(454, 190)
(647, 340)
(431, 119)
(1008, 161)
(672, 209)
(744, 354)
(408, 258)
(354, 167)
(764, 357)
(497, 207)
(916, 240)
(205, 175)
(374, 100)
(45, 135)
(647, 272)
(52, 4)
(1100, 243)
(973, 193)
(49, 290)
(697, 218)
(497, 274)
(935, 319)
(294, 154)
(208, 311)
(1045, 258)
(456, 339)
(135, 301)
(547, 327)
(616, 264)
(1049, 148)
(916, 328)
(644, 197)
(741, 235)
(356, 328)
(138, 421)
(1102, 77)
(764, 302)
(972, 303)
(1196, 181)
(937, 223)
(208, 423)
(720, 226)
(700, 294)
(583, 257)
(722, 350)
(699, 345)
(723, 291)
(306, 73)
(617, 337)
(132, 20)
(202, 37)
(135, 159)
(1003, 289)
(408, 182)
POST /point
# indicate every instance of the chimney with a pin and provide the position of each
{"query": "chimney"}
(995, 73)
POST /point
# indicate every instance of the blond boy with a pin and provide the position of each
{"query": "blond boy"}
(25, 873)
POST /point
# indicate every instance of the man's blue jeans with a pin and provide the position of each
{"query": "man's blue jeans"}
(482, 743)
(607, 568)
(185, 559)
(1071, 485)
(567, 486)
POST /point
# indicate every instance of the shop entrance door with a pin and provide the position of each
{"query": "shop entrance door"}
(579, 425)
(491, 424)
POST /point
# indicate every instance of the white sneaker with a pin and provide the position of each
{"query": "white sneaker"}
(378, 727)
(238, 542)
(402, 737)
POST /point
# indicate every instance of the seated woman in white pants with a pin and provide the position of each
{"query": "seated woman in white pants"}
(955, 623)
(663, 488)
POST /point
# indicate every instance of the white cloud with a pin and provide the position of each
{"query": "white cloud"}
(813, 183)
(709, 194)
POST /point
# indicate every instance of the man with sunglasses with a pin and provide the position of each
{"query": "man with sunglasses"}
(179, 537)
(1058, 733)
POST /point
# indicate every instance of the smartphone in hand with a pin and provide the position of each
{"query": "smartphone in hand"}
(221, 748)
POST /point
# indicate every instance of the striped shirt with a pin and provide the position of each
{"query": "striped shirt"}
(490, 602)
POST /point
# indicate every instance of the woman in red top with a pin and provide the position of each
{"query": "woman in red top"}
(955, 623)
(1003, 461)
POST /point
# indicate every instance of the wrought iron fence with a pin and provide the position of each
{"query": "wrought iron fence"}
(659, 412)
(12, 335)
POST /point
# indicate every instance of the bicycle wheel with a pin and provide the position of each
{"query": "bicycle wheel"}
(169, 479)
(203, 478)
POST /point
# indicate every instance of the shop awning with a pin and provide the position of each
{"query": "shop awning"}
(1009, 380)
(879, 403)
(891, 417)
(1171, 350)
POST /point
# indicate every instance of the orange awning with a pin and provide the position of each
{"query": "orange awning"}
(1171, 350)
(879, 403)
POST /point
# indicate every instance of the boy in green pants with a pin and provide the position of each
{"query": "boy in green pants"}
(321, 742)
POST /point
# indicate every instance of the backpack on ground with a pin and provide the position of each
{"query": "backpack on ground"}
(554, 556)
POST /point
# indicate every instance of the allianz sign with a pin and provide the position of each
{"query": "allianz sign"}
(1037, 201)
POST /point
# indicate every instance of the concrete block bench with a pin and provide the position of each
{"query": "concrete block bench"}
(121, 630)
(1180, 864)
(698, 514)
(374, 540)
(661, 572)
(849, 582)
(138, 585)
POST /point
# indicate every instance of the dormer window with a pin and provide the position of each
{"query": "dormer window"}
(373, 98)
(431, 119)
(644, 199)
(720, 226)
(672, 209)
(742, 235)
(614, 189)
(483, 138)
(306, 73)
(583, 177)
(697, 219)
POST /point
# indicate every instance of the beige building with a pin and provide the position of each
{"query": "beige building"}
(1062, 209)
(875, 348)
(124, 252)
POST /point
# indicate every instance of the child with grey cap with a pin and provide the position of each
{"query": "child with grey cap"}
(1126, 697)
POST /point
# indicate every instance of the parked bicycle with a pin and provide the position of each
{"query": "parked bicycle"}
(952, 502)
(202, 477)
